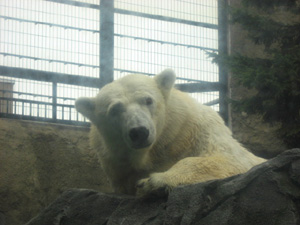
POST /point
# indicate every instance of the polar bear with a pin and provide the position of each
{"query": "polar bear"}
(150, 136)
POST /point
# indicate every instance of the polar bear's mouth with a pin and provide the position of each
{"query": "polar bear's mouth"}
(141, 146)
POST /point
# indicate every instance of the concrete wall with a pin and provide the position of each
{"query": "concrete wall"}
(38, 161)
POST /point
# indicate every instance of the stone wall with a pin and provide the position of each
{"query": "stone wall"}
(38, 161)
(259, 137)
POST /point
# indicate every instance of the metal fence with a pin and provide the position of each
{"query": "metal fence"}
(52, 52)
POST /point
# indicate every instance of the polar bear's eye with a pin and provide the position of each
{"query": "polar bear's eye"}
(149, 101)
(116, 109)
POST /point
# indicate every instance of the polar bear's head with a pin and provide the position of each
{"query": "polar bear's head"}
(130, 111)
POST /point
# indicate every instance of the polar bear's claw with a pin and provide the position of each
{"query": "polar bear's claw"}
(153, 185)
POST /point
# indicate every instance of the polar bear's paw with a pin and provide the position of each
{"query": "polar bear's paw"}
(157, 184)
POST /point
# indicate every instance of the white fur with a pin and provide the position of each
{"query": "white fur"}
(187, 142)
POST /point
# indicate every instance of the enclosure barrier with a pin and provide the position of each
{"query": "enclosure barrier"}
(50, 104)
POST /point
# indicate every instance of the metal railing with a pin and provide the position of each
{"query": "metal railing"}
(53, 110)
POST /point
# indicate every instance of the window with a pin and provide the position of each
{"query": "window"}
(50, 51)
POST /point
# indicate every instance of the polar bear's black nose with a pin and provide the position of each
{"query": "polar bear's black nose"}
(138, 135)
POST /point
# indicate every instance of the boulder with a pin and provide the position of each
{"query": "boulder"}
(267, 194)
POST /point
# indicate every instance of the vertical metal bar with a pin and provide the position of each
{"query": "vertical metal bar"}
(106, 41)
(45, 111)
(63, 113)
(22, 108)
(54, 100)
(223, 75)
(7, 108)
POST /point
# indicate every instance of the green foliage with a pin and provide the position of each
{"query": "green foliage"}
(270, 4)
(276, 75)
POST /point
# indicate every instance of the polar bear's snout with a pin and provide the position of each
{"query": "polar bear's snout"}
(139, 131)
(139, 137)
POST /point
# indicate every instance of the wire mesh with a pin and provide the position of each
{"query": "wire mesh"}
(67, 94)
(193, 10)
(149, 45)
(59, 37)
(49, 36)
(52, 37)
(26, 97)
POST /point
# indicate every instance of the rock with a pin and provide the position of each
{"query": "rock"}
(2, 219)
(257, 136)
(267, 194)
(38, 162)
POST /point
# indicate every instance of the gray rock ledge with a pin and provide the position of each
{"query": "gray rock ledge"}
(267, 194)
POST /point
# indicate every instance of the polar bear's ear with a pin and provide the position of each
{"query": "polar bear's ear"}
(165, 81)
(86, 106)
